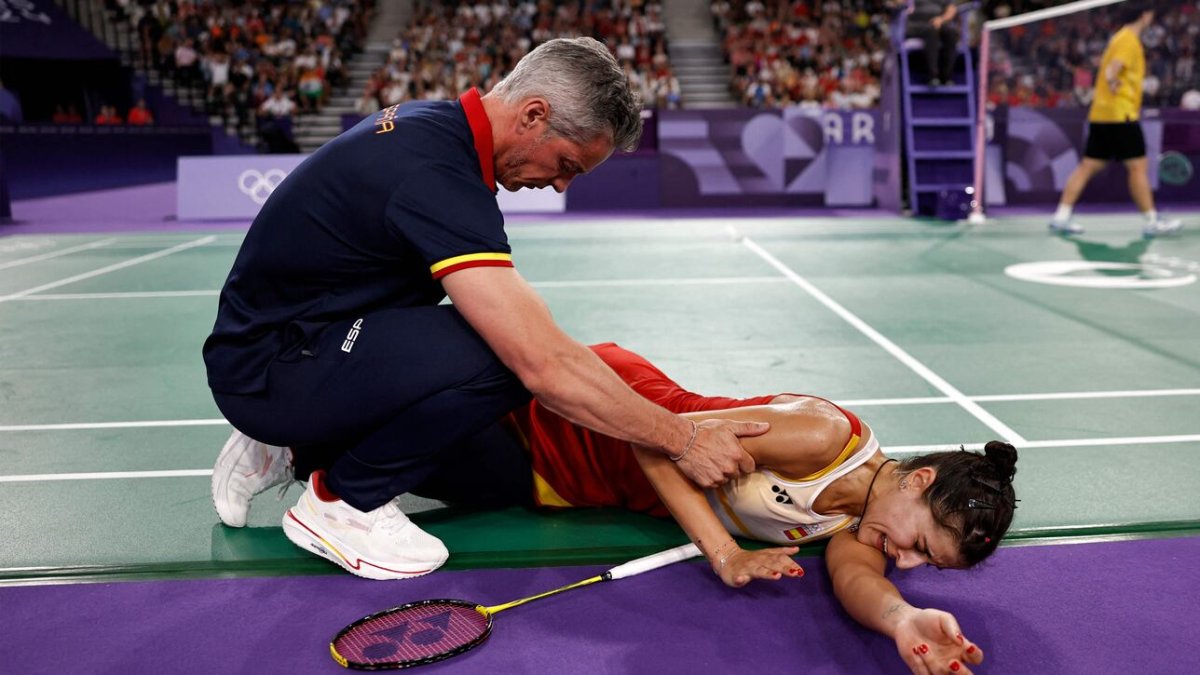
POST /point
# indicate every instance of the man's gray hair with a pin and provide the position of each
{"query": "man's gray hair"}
(588, 93)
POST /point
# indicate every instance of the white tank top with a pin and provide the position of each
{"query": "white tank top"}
(767, 506)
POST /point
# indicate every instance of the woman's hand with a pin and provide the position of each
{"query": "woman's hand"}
(931, 643)
(737, 567)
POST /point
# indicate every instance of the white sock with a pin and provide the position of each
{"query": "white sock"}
(1151, 215)
(1063, 214)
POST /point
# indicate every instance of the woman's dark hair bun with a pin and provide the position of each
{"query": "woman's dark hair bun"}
(1002, 457)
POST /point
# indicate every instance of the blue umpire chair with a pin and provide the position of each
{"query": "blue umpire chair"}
(936, 123)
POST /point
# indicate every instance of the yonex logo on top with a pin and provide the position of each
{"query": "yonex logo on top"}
(258, 185)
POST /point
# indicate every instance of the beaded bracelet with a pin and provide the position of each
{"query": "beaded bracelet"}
(721, 560)
(687, 448)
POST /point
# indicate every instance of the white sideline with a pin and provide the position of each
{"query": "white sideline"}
(890, 347)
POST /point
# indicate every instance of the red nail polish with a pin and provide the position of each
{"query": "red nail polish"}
(971, 649)
(916, 651)
(954, 666)
(924, 649)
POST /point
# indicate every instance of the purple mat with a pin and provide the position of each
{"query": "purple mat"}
(1124, 607)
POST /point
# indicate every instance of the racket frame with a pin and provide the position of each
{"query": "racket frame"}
(399, 665)
(631, 568)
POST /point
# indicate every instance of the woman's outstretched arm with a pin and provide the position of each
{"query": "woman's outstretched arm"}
(928, 640)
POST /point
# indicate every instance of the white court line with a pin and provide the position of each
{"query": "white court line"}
(849, 403)
(111, 268)
(582, 283)
(890, 347)
(121, 295)
(995, 398)
(33, 478)
(921, 400)
(55, 254)
(1061, 443)
(896, 450)
(146, 424)
(1067, 395)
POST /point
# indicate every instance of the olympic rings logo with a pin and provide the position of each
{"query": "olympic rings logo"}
(258, 185)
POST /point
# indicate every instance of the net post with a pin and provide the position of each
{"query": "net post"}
(977, 216)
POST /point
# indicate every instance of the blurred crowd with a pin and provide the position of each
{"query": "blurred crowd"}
(451, 46)
(811, 53)
(261, 61)
(250, 56)
(1052, 63)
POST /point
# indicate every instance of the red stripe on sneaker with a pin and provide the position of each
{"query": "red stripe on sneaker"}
(358, 562)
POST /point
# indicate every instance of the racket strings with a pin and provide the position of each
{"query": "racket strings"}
(413, 633)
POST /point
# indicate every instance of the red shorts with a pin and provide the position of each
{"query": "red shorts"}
(574, 466)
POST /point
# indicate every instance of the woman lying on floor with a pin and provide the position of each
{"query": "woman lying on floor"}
(820, 474)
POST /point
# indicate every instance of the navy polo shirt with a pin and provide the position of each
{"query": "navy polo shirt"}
(373, 219)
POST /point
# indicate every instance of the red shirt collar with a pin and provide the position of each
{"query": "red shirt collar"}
(481, 130)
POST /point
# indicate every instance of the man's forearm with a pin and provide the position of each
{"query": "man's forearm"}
(576, 384)
(564, 375)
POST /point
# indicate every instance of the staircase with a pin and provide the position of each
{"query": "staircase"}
(939, 125)
(314, 130)
(117, 34)
(696, 55)
(310, 131)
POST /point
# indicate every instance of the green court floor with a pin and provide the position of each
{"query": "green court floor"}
(108, 432)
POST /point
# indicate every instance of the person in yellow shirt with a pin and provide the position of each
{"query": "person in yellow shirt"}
(1113, 128)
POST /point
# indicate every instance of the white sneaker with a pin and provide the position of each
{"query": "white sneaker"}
(245, 468)
(381, 544)
(1162, 227)
(1067, 227)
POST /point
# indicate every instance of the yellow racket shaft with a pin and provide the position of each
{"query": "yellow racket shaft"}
(515, 603)
(631, 568)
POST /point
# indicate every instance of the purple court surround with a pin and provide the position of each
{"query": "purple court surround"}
(1117, 607)
(151, 208)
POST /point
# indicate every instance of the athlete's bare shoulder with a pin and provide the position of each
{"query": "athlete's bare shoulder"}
(807, 434)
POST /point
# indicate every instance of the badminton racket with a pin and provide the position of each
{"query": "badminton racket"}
(431, 630)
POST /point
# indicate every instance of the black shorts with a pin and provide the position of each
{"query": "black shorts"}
(1115, 140)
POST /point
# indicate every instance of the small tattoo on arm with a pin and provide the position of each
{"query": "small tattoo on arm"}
(887, 614)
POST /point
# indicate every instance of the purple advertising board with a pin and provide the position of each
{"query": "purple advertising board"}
(1038, 149)
(229, 187)
(234, 187)
(747, 157)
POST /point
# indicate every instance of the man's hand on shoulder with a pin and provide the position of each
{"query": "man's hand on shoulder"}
(716, 456)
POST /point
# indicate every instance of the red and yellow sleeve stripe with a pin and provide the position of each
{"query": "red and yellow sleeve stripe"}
(462, 262)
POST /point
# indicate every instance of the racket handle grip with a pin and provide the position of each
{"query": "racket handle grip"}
(653, 562)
